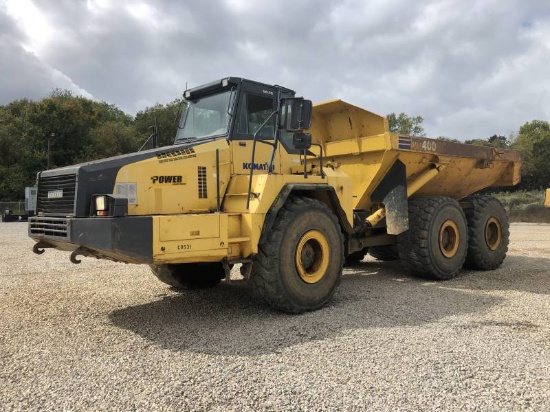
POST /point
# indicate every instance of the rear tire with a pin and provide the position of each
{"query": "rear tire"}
(385, 253)
(435, 244)
(190, 275)
(299, 261)
(488, 233)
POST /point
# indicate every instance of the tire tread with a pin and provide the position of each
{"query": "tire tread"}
(478, 256)
(265, 282)
(413, 245)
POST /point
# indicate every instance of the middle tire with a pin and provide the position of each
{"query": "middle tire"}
(437, 240)
(190, 275)
(385, 253)
(356, 257)
(299, 262)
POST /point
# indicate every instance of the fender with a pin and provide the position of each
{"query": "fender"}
(321, 192)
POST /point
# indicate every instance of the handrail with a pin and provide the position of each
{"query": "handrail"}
(254, 154)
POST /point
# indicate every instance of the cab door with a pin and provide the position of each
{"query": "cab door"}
(256, 104)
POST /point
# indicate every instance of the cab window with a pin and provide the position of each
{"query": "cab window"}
(253, 112)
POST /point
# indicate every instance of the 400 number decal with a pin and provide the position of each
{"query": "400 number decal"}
(424, 145)
(417, 144)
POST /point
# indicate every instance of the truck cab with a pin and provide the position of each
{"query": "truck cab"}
(200, 200)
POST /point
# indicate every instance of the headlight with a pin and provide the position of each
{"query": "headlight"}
(109, 205)
(101, 205)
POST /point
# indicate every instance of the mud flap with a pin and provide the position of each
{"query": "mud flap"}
(392, 192)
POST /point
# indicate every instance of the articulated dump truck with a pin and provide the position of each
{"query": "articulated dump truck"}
(290, 190)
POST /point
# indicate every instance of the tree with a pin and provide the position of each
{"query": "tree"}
(407, 125)
(73, 128)
(111, 138)
(63, 122)
(166, 116)
(19, 161)
(448, 139)
(533, 140)
(541, 163)
(478, 142)
(497, 141)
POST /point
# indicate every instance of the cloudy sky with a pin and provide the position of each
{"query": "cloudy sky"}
(471, 68)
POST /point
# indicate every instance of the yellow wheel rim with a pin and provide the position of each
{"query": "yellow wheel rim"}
(449, 238)
(312, 256)
(493, 233)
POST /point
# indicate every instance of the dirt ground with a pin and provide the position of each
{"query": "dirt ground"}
(109, 336)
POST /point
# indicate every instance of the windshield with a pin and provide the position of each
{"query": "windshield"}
(206, 117)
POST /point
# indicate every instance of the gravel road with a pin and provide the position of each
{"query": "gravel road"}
(108, 336)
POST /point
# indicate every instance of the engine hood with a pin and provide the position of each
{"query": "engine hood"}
(90, 178)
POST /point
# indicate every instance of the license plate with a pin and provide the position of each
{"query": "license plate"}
(55, 194)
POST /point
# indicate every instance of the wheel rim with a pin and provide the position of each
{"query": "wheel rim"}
(449, 238)
(493, 233)
(312, 257)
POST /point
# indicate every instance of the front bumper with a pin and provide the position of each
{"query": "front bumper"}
(125, 239)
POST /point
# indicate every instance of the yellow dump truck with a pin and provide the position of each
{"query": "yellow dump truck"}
(289, 190)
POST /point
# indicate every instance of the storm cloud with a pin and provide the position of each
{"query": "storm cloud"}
(471, 69)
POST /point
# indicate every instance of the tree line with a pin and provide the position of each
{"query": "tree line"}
(64, 129)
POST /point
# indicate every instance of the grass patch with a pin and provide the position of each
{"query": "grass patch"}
(525, 206)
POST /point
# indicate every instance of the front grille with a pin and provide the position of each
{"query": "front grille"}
(49, 226)
(62, 192)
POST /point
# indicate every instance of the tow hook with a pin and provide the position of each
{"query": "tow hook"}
(36, 249)
(74, 255)
(39, 247)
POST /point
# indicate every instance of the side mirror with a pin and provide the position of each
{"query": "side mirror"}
(295, 114)
(301, 141)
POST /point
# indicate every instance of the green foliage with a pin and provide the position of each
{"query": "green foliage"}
(533, 140)
(109, 139)
(448, 139)
(541, 163)
(75, 129)
(497, 141)
(407, 125)
(478, 142)
(65, 121)
(166, 117)
(19, 159)
(524, 205)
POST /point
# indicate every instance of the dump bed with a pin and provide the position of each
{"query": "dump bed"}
(359, 143)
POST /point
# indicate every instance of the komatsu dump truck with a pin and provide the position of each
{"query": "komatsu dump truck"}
(289, 190)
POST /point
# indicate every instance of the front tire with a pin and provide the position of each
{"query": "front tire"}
(299, 262)
(488, 233)
(435, 244)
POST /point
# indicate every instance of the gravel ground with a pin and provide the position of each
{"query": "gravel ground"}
(106, 336)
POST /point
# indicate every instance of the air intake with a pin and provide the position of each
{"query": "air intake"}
(176, 155)
(203, 194)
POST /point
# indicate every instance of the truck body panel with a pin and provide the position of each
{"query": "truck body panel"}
(361, 144)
